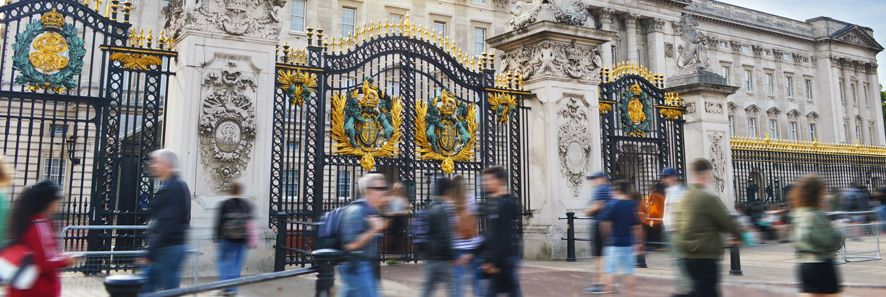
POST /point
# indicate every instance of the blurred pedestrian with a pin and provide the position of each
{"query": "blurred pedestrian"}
(815, 239)
(437, 251)
(880, 195)
(234, 234)
(601, 195)
(397, 209)
(467, 239)
(673, 195)
(170, 219)
(360, 223)
(620, 224)
(5, 180)
(701, 217)
(30, 226)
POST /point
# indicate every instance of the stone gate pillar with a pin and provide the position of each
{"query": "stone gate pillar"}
(560, 64)
(707, 122)
(219, 112)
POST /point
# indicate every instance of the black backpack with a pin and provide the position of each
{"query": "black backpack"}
(235, 224)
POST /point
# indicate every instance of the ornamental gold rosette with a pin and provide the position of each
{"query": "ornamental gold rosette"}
(297, 85)
(446, 130)
(48, 54)
(503, 105)
(366, 123)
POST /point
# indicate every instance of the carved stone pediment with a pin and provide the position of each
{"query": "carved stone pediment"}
(812, 116)
(550, 58)
(793, 114)
(259, 19)
(573, 12)
(227, 121)
(773, 111)
(854, 34)
(752, 110)
(574, 142)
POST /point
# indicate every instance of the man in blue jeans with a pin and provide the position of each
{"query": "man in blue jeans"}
(360, 223)
(170, 215)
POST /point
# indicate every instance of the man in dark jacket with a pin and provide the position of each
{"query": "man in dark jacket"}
(438, 252)
(170, 215)
(502, 245)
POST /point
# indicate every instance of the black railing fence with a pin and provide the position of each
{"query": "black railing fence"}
(764, 168)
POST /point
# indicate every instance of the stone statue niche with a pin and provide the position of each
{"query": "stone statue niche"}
(692, 55)
(573, 12)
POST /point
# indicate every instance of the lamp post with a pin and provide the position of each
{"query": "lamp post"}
(71, 142)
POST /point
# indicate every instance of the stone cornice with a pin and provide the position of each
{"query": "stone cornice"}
(721, 21)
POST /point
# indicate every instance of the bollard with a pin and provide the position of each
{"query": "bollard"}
(734, 261)
(325, 260)
(124, 285)
(570, 237)
(279, 252)
(641, 261)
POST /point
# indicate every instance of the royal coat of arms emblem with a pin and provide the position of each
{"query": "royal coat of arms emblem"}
(446, 130)
(48, 54)
(635, 111)
(366, 123)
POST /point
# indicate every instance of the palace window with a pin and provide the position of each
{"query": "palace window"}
(395, 18)
(348, 20)
(769, 83)
(479, 41)
(809, 89)
(731, 128)
(858, 133)
(773, 129)
(293, 145)
(786, 57)
(752, 127)
(54, 170)
(479, 1)
(440, 27)
(854, 94)
(297, 15)
(789, 84)
(343, 184)
(747, 81)
(793, 130)
(746, 48)
(865, 93)
(58, 129)
(724, 70)
(723, 44)
(290, 183)
(812, 132)
(613, 55)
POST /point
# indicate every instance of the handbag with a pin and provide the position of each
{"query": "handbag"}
(17, 266)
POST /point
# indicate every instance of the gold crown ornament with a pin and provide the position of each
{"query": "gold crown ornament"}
(53, 20)
(370, 95)
(449, 104)
(636, 89)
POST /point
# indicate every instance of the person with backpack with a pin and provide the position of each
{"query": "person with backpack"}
(31, 228)
(359, 223)
(437, 251)
(234, 233)
(467, 238)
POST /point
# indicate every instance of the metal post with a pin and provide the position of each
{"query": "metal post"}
(325, 260)
(641, 261)
(734, 261)
(279, 252)
(124, 285)
(570, 237)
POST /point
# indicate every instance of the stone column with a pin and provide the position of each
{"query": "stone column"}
(563, 119)
(224, 83)
(874, 80)
(631, 28)
(707, 125)
(605, 18)
(655, 44)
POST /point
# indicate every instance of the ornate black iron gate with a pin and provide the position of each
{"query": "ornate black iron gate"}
(391, 98)
(81, 103)
(642, 125)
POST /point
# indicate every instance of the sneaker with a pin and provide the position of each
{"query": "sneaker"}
(596, 289)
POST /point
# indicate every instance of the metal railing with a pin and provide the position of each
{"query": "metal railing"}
(855, 230)
(734, 250)
(324, 262)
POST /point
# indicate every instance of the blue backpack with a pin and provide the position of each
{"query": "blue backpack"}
(329, 229)
(419, 229)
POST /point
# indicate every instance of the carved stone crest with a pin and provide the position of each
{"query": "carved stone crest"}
(555, 59)
(718, 159)
(713, 107)
(227, 123)
(574, 143)
(573, 12)
(669, 50)
(259, 19)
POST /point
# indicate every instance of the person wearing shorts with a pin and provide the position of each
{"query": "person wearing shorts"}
(602, 194)
(620, 224)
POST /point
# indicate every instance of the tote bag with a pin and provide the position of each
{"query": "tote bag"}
(17, 266)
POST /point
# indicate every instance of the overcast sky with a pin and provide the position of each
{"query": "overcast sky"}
(867, 13)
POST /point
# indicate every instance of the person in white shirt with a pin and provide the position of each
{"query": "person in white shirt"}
(673, 194)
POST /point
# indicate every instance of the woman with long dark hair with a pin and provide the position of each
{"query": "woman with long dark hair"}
(31, 227)
(815, 239)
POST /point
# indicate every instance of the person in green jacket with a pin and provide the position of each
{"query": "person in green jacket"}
(701, 218)
(815, 240)
(5, 179)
